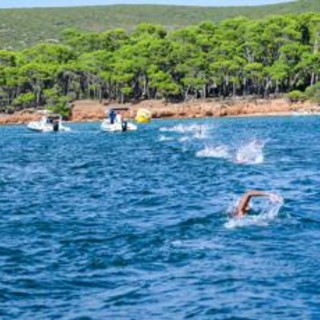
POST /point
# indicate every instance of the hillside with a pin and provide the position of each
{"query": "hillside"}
(20, 28)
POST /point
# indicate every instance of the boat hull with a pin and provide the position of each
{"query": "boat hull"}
(106, 126)
(45, 127)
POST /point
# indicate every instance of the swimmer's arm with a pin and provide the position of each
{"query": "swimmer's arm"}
(256, 193)
(244, 202)
(272, 196)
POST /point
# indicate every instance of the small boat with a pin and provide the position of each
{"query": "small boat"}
(52, 123)
(123, 126)
(115, 123)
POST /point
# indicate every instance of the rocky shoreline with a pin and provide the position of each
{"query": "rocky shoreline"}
(88, 110)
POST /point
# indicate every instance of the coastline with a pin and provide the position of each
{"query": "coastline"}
(89, 110)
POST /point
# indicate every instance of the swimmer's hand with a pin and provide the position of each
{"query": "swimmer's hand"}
(275, 198)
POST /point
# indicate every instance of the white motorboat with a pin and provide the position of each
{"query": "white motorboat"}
(123, 126)
(115, 123)
(48, 124)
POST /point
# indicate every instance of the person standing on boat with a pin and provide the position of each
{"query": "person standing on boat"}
(112, 116)
(118, 118)
(122, 122)
(124, 125)
(56, 125)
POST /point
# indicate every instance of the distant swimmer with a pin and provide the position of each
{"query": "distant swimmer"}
(251, 153)
(243, 205)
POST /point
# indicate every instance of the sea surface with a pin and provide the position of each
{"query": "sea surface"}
(137, 225)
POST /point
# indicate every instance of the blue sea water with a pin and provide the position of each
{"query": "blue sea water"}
(136, 226)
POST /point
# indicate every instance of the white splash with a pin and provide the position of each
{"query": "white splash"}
(267, 214)
(202, 133)
(195, 129)
(163, 138)
(185, 139)
(213, 152)
(251, 153)
(195, 244)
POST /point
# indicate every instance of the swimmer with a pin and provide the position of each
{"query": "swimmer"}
(243, 205)
(250, 153)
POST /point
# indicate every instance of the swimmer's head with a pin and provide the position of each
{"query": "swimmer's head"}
(239, 213)
(243, 212)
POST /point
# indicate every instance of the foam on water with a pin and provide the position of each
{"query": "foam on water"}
(202, 133)
(214, 152)
(164, 138)
(189, 133)
(196, 244)
(250, 153)
(185, 139)
(268, 214)
(196, 129)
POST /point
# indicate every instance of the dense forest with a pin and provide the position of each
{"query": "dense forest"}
(22, 28)
(236, 57)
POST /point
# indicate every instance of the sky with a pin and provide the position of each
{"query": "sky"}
(65, 3)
